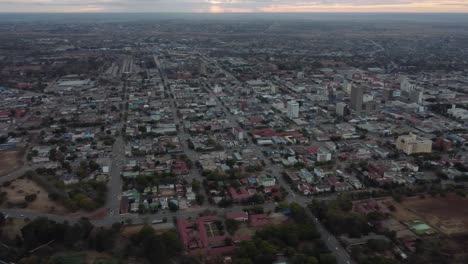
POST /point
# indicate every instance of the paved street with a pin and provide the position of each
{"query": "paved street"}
(114, 185)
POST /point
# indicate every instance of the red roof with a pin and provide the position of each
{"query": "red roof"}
(20, 112)
(312, 149)
(4, 114)
(238, 194)
(258, 220)
(264, 132)
(237, 215)
(195, 239)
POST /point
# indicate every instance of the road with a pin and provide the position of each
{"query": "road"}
(182, 134)
(114, 185)
(133, 218)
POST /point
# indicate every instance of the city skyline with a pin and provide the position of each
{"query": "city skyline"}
(229, 6)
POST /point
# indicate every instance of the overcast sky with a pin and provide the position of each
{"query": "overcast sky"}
(217, 6)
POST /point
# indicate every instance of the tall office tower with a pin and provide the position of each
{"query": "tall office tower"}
(347, 85)
(293, 109)
(357, 95)
(341, 109)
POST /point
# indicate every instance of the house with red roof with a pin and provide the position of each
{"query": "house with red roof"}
(179, 167)
(259, 220)
(238, 194)
(238, 216)
(202, 236)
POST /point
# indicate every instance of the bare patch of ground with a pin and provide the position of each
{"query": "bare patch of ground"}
(448, 214)
(10, 160)
(19, 188)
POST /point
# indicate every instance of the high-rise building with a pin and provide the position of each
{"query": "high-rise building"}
(416, 96)
(293, 109)
(347, 85)
(357, 95)
(341, 109)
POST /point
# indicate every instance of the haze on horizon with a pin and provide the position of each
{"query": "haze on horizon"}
(228, 6)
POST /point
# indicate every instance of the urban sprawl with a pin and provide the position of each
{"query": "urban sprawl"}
(248, 142)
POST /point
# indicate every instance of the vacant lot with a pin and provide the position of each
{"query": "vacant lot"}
(448, 214)
(17, 191)
(9, 161)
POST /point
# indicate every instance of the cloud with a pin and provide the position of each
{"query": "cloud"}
(234, 5)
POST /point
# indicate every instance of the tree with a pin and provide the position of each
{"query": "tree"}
(83, 170)
(2, 219)
(173, 207)
(93, 166)
(30, 197)
(151, 246)
(40, 231)
(104, 239)
(378, 245)
(378, 260)
(196, 185)
(231, 226)
(327, 259)
(200, 199)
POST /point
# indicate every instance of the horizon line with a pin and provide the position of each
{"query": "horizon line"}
(220, 13)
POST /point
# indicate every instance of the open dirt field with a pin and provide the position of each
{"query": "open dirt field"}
(127, 231)
(9, 161)
(448, 214)
(18, 189)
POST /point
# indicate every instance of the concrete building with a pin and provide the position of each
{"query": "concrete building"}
(323, 155)
(369, 106)
(412, 144)
(416, 96)
(341, 109)
(293, 109)
(347, 85)
(217, 89)
(357, 95)
(458, 113)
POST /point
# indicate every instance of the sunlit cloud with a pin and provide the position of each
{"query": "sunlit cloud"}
(217, 6)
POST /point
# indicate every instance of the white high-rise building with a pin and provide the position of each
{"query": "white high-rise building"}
(340, 109)
(347, 85)
(293, 109)
(406, 86)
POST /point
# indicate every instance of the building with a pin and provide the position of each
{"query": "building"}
(342, 109)
(293, 109)
(274, 89)
(416, 96)
(458, 113)
(357, 95)
(217, 89)
(323, 155)
(412, 144)
(347, 86)
(369, 106)
(238, 133)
